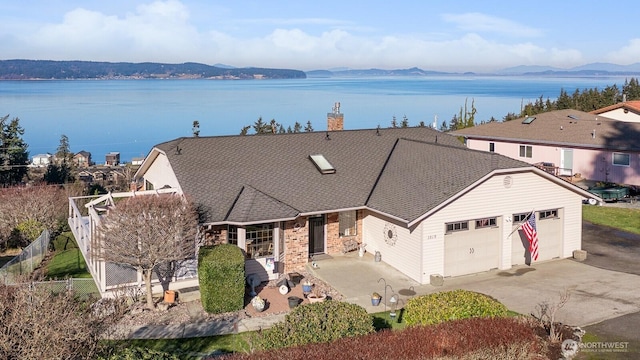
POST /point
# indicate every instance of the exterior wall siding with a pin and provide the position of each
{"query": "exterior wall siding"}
(160, 173)
(405, 255)
(527, 192)
(592, 164)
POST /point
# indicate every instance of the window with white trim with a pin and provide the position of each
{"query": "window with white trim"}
(457, 226)
(621, 159)
(485, 223)
(347, 221)
(232, 235)
(521, 217)
(548, 214)
(259, 240)
(526, 151)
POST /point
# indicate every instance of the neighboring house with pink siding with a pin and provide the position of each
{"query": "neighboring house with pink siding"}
(569, 142)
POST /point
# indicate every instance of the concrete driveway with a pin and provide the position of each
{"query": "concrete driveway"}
(597, 294)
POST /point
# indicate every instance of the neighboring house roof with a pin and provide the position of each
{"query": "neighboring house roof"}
(83, 153)
(567, 128)
(402, 172)
(633, 105)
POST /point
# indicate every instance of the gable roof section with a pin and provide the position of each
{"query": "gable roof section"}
(216, 171)
(567, 128)
(419, 176)
(252, 205)
(633, 105)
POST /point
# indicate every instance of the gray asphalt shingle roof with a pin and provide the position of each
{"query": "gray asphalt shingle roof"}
(402, 172)
(568, 128)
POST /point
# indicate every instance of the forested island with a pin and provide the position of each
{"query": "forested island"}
(76, 70)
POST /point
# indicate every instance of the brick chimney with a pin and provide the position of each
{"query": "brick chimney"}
(335, 120)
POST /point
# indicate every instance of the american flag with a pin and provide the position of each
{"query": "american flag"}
(529, 228)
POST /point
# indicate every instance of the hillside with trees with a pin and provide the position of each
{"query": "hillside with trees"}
(72, 70)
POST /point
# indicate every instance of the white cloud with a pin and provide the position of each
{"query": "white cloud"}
(477, 22)
(629, 54)
(163, 31)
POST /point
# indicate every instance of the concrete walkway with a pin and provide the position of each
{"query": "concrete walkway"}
(198, 329)
(596, 294)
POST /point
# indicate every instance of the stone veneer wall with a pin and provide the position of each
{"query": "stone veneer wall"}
(296, 239)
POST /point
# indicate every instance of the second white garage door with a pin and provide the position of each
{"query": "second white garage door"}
(472, 250)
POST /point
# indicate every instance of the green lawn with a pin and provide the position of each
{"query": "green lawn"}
(67, 263)
(619, 218)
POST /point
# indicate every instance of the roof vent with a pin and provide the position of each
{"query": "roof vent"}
(528, 119)
(322, 164)
(573, 117)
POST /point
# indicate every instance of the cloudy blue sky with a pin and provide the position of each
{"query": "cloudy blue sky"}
(435, 35)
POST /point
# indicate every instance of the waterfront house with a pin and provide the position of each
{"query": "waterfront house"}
(426, 204)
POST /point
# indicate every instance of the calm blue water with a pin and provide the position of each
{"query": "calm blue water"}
(130, 116)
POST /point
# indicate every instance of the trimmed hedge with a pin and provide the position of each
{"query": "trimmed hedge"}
(316, 323)
(451, 305)
(221, 278)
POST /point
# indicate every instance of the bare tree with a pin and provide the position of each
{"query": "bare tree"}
(546, 313)
(37, 323)
(37, 207)
(146, 232)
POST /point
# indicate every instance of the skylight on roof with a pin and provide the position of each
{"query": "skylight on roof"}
(574, 117)
(528, 119)
(322, 164)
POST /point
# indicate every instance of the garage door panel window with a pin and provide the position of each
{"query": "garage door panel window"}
(486, 223)
(457, 226)
(517, 218)
(548, 214)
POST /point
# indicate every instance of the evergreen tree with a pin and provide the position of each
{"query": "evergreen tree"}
(405, 122)
(297, 127)
(564, 101)
(14, 156)
(245, 130)
(196, 128)
(308, 127)
(61, 171)
(260, 128)
(394, 123)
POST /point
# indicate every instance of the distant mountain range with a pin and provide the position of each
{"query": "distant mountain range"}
(70, 70)
(594, 69)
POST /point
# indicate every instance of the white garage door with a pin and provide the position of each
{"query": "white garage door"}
(472, 250)
(549, 239)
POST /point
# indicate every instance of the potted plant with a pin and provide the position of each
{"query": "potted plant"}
(375, 299)
(315, 297)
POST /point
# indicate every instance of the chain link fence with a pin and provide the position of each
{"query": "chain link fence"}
(28, 260)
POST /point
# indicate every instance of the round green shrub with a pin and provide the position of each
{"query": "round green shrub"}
(451, 305)
(318, 322)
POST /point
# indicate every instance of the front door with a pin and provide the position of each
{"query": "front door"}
(316, 235)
